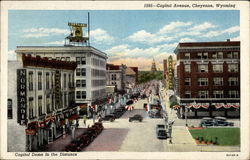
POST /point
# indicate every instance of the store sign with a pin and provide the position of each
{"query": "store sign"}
(21, 96)
(30, 132)
(58, 89)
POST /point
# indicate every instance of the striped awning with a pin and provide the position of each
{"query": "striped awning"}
(228, 105)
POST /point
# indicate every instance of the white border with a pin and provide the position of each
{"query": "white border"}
(243, 6)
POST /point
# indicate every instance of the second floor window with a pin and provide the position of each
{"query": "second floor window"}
(64, 80)
(31, 108)
(47, 80)
(218, 94)
(81, 72)
(187, 94)
(202, 94)
(233, 94)
(40, 105)
(187, 55)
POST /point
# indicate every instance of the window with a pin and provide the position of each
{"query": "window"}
(83, 60)
(69, 83)
(30, 81)
(10, 114)
(232, 55)
(202, 94)
(217, 68)
(232, 67)
(218, 94)
(78, 83)
(187, 81)
(218, 81)
(187, 55)
(233, 81)
(205, 56)
(203, 68)
(78, 95)
(31, 108)
(68, 59)
(48, 103)
(187, 94)
(199, 55)
(63, 59)
(58, 58)
(233, 94)
(83, 71)
(83, 94)
(202, 81)
(187, 68)
(65, 99)
(217, 55)
(39, 80)
(52, 80)
(47, 80)
(83, 83)
(78, 72)
(64, 80)
(113, 77)
(78, 60)
(40, 110)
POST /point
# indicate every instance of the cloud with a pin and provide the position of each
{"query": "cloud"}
(56, 42)
(218, 33)
(11, 55)
(101, 36)
(202, 27)
(172, 26)
(187, 40)
(235, 38)
(44, 32)
(145, 37)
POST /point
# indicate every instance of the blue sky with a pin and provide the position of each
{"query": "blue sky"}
(129, 37)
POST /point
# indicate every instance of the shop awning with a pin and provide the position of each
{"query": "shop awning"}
(198, 105)
(228, 105)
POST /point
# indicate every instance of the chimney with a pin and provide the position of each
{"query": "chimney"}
(228, 40)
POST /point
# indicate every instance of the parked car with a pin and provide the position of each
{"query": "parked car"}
(136, 117)
(155, 113)
(222, 121)
(207, 122)
(161, 134)
(129, 102)
(160, 126)
(110, 117)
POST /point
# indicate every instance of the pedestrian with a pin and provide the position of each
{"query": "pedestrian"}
(84, 120)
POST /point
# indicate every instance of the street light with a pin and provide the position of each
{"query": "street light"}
(186, 115)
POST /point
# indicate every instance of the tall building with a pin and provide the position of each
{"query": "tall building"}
(170, 72)
(208, 78)
(90, 74)
(153, 67)
(165, 68)
(41, 104)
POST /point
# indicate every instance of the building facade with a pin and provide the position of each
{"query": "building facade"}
(208, 78)
(90, 74)
(116, 76)
(45, 100)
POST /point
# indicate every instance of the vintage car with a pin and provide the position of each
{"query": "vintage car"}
(222, 121)
(110, 117)
(155, 113)
(207, 122)
(136, 117)
(161, 134)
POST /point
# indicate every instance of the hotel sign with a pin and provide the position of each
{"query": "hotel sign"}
(58, 89)
(21, 96)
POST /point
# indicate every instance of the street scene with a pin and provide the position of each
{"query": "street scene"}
(88, 86)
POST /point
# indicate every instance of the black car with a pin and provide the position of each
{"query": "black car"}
(136, 117)
(161, 134)
(110, 117)
(155, 114)
(129, 102)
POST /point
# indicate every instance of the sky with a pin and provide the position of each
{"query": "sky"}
(131, 37)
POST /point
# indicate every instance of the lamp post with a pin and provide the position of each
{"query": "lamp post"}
(186, 115)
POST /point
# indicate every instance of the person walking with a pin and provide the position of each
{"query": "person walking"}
(84, 120)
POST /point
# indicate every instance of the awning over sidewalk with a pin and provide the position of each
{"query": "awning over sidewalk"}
(228, 105)
(198, 105)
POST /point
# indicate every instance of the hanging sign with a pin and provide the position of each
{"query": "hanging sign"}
(21, 96)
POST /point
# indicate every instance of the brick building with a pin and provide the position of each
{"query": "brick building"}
(208, 78)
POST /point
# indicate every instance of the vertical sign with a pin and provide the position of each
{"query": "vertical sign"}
(21, 96)
(58, 89)
(10, 114)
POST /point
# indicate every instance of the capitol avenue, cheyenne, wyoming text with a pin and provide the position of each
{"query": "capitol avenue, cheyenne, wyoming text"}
(194, 5)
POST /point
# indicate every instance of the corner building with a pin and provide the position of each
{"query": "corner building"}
(208, 78)
(90, 74)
